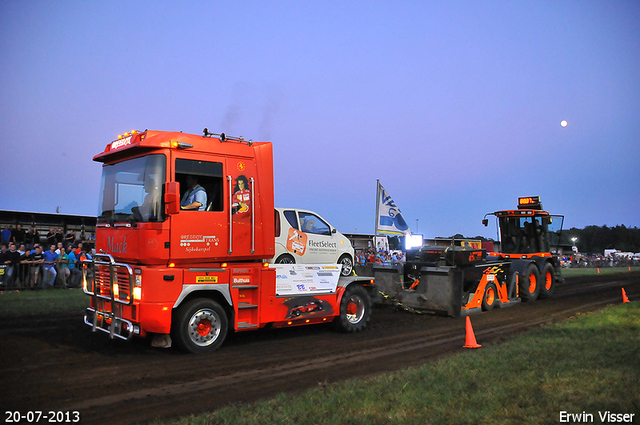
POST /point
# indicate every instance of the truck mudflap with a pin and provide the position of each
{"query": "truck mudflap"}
(439, 290)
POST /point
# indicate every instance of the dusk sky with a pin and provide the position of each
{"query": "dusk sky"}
(455, 106)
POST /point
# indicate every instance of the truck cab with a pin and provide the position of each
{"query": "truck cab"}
(184, 233)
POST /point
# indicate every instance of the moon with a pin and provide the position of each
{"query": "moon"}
(564, 123)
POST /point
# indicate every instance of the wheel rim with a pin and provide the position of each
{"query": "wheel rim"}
(355, 309)
(285, 260)
(491, 296)
(204, 327)
(532, 283)
(347, 266)
(548, 280)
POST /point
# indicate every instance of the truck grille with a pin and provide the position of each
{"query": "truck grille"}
(122, 280)
(107, 279)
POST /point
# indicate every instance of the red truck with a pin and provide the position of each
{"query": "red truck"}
(185, 225)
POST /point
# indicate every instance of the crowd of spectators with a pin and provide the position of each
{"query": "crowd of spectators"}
(598, 261)
(29, 260)
(380, 257)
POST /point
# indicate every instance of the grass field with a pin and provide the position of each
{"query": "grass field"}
(595, 271)
(24, 303)
(590, 364)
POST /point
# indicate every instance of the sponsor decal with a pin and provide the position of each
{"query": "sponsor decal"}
(206, 279)
(198, 243)
(323, 244)
(241, 279)
(117, 247)
(121, 143)
(296, 241)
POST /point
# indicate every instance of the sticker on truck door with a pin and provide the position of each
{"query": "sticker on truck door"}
(296, 241)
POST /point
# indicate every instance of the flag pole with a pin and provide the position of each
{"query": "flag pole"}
(377, 204)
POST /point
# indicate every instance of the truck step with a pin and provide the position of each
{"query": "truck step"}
(246, 325)
(244, 286)
(246, 305)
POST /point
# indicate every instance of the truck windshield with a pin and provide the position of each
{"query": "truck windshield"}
(530, 234)
(133, 190)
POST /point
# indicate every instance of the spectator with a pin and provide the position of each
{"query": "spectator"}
(74, 268)
(11, 259)
(6, 235)
(37, 239)
(17, 235)
(51, 237)
(23, 268)
(63, 269)
(59, 236)
(35, 261)
(70, 239)
(50, 273)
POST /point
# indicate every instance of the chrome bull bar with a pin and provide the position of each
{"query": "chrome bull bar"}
(112, 282)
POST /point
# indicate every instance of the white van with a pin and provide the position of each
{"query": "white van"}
(305, 237)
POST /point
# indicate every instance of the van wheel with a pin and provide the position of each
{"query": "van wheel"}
(285, 259)
(355, 310)
(530, 284)
(548, 281)
(347, 265)
(200, 326)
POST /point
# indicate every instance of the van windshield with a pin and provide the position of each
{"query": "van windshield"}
(133, 190)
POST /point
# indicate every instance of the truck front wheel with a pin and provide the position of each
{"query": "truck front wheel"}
(530, 284)
(355, 310)
(199, 326)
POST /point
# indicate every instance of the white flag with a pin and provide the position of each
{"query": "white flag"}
(389, 218)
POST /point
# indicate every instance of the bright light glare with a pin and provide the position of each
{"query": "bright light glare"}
(564, 123)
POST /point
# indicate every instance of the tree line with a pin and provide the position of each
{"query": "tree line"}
(595, 239)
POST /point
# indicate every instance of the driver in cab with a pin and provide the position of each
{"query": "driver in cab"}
(195, 198)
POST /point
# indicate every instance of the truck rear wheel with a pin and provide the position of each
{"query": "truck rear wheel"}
(355, 310)
(490, 297)
(530, 284)
(200, 326)
(548, 282)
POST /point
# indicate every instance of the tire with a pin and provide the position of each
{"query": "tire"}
(355, 310)
(200, 326)
(490, 297)
(548, 281)
(530, 284)
(285, 259)
(347, 265)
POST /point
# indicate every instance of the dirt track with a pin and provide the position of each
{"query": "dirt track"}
(57, 363)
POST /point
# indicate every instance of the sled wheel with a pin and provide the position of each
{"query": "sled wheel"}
(548, 283)
(200, 326)
(355, 310)
(347, 265)
(530, 284)
(490, 297)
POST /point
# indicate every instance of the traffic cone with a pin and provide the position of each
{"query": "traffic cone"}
(624, 297)
(470, 339)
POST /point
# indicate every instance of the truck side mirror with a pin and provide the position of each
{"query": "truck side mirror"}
(485, 221)
(172, 197)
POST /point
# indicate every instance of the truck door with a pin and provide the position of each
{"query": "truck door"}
(200, 233)
(222, 228)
